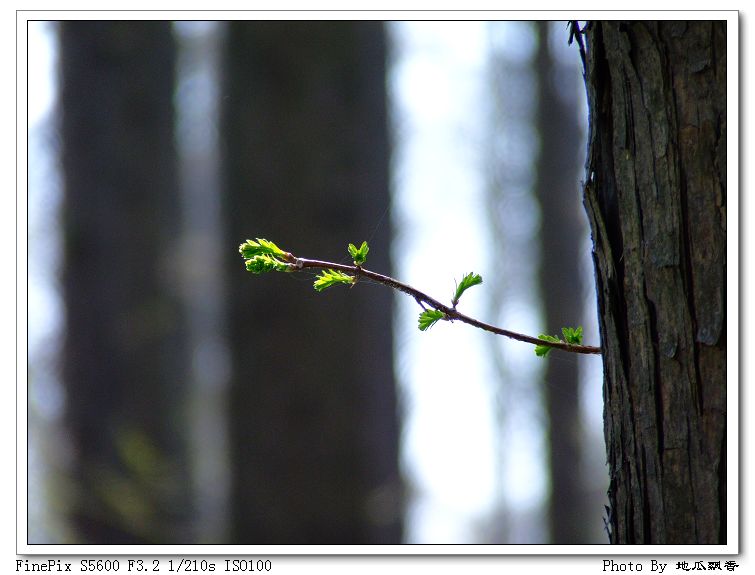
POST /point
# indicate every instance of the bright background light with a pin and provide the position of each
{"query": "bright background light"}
(474, 445)
(449, 451)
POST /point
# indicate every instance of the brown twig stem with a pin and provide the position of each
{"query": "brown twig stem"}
(451, 313)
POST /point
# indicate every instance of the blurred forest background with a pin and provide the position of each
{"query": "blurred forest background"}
(174, 398)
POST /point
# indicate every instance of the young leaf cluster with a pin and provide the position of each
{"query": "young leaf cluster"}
(263, 256)
(469, 280)
(429, 317)
(250, 249)
(329, 278)
(265, 263)
(572, 336)
(359, 255)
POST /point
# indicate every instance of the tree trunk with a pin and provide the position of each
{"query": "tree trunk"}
(655, 194)
(561, 233)
(314, 428)
(125, 348)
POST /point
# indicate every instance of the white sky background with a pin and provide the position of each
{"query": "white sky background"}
(449, 449)
(474, 446)
(45, 399)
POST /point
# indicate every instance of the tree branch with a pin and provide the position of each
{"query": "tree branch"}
(264, 256)
(450, 313)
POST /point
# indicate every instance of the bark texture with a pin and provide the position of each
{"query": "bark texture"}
(655, 194)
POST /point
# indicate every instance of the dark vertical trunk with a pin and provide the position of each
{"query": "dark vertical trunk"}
(561, 233)
(656, 198)
(314, 429)
(124, 351)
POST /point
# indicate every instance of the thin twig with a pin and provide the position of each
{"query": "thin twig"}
(450, 313)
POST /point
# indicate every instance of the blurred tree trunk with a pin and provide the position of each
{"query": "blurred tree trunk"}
(124, 357)
(656, 198)
(561, 233)
(313, 411)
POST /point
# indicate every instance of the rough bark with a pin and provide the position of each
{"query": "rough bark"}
(125, 348)
(655, 194)
(314, 425)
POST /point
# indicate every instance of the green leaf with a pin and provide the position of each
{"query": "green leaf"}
(469, 280)
(250, 249)
(330, 278)
(543, 350)
(429, 317)
(359, 255)
(263, 263)
(572, 335)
